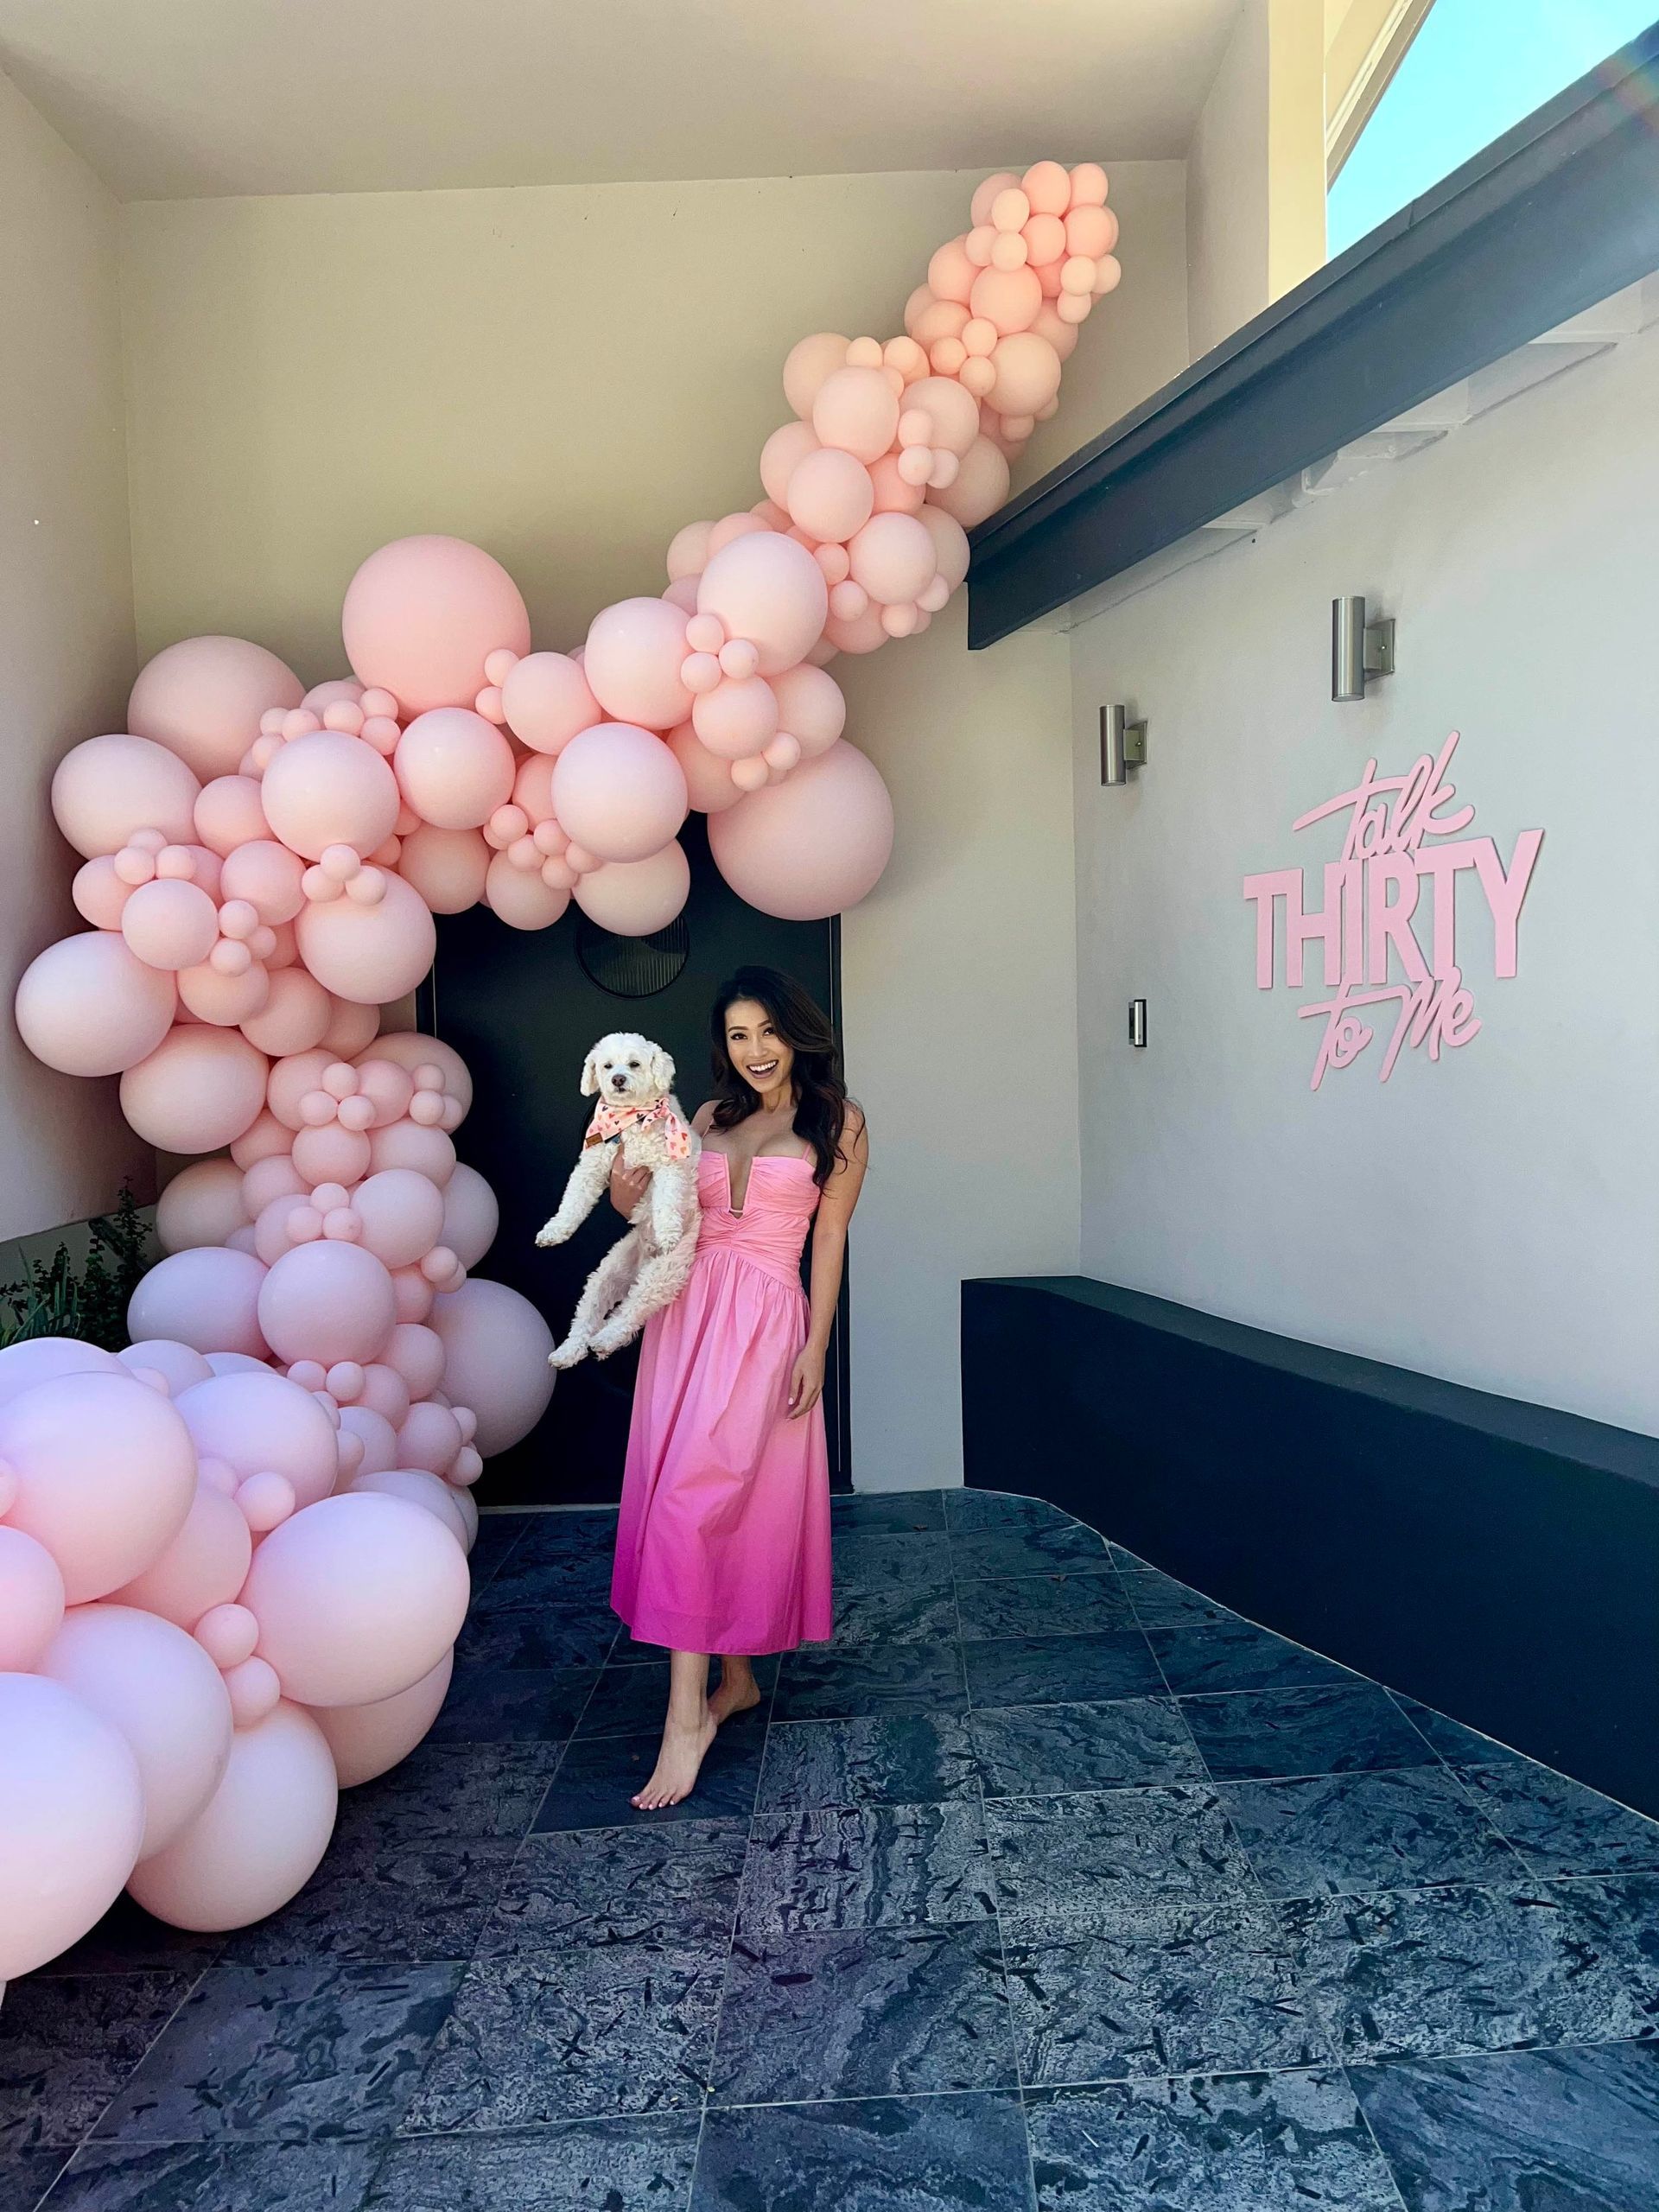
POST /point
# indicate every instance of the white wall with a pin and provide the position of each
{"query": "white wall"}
(1493, 1218)
(66, 626)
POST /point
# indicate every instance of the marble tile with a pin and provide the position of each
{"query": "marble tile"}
(1036, 1750)
(572, 2035)
(1557, 1825)
(544, 1575)
(867, 2012)
(127, 1941)
(1072, 1864)
(451, 1789)
(506, 1704)
(1336, 1729)
(537, 1637)
(598, 1776)
(639, 2163)
(889, 1562)
(881, 2154)
(497, 1533)
(25, 2176)
(1171, 1987)
(1236, 1655)
(1242, 2143)
(1535, 2131)
(286, 2054)
(921, 1614)
(1121, 1556)
(1454, 1743)
(384, 1904)
(871, 1679)
(1349, 1831)
(1023, 1550)
(1044, 1604)
(866, 1867)
(67, 2043)
(887, 1513)
(997, 1509)
(904, 1758)
(217, 2177)
(1060, 1669)
(676, 1885)
(564, 1539)
(1440, 1973)
(631, 1700)
(1159, 1601)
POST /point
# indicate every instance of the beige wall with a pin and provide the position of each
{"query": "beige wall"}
(66, 625)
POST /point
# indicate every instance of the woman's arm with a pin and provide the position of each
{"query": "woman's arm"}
(629, 1184)
(829, 1260)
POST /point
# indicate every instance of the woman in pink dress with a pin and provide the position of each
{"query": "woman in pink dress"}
(723, 1543)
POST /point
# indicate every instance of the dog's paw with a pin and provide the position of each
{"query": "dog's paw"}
(566, 1355)
(606, 1342)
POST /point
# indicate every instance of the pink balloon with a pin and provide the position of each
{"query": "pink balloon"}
(199, 1090)
(402, 1213)
(781, 455)
(227, 1634)
(495, 1359)
(810, 708)
(546, 700)
(422, 616)
(369, 955)
(1027, 374)
(809, 365)
(708, 779)
(223, 1001)
(632, 659)
(203, 697)
(294, 1017)
(201, 1206)
(410, 1049)
(416, 1354)
(830, 494)
(619, 790)
(268, 876)
(331, 1154)
(71, 1817)
(385, 1391)
(43, 1359)
(87, 1006)
(228, 813)
(327, 1300)
(520, 898)
(158, 1689)
(377, 1437)
(811, 846)
(430, 1437)
(207, 1298)
(356, 1599)
(264, 1423)
(471, 1216)
(949, 544)
(105, 1475)
(31, 1601)
(634, 898)
(370, 1739)
(431, 1151)
(261, 1836)
(418, 1487)
(327, 789)
(893, 558)
(857, 409)
(292, 1080)
(980, 484)
(178, 1363)
(768, 589)
(453, 767)
(447, 867)
(99, 894)
(205, 1566)
(738, 719)
(350, 1028)
(106, 788)
(276, 1177)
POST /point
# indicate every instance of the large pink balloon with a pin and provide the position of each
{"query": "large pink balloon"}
(619, 790)
(31, 1600)
(207, 1298)
(256, 1422)
(106, 1476)
(417, 1486)
(768, 589)
(632, 659)
(370, 955)
(370, 1739)
(169, 924)
(42, 1359)
(471, 1216)
(88, 1006)
(200, 1089)
(812, 845)
(178, 1364)
(453, 767)
(329, 1301)
(107, 787)
(356, 1599)
(261, 1837)
(634, 898)
(327, 789)
(71, 1817)
(422, 616)
(201, 1206)
(546, 700)
(402, 1214)
(447, 867)
(203, 697)
(205, 1566)
(159, 1689)
(495, 1359)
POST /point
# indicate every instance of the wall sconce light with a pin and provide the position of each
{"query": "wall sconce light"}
(1138, 1022)
(1122, 744)
(1358, 648)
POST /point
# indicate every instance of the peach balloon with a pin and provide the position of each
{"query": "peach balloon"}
(810, 708)
(546, 700)
(327, 1300)
(350, 1027)
(268, 876)
(471, 1216)
(107, 788)
(422, 616)
(831, 493)
(453, 767)
(205, 1566)
(222, 1001)
(893, 558)
(369, 955)
(811, 846)
(447, 867)
(370, 1739)
(294, 1016)
(88, 1006)
(1027, 374)
(949, 544)
(417, 1354)
(768, 589)
(227, 1633)
(953, 413)
(520, 896)
(43, 1359)
(264, 1424)
(857, 409)
(329, 788)
(99, 894)
(71, 1817)
(781, 455)
(201, 1206)
(178, 1364)
(407, 1144)
(631, 662)
(333, 1153)
(495, 1345)
(1009, 298)
(411, 1048)
(203, 698)
(199, 1090)
(229, 813)
(807, 367)
(634, 898)
(619, 790)
(738, 718)
(418, 1487)
(207, 1298)
(981, 486)
(31, 1601)
(402, 1213)
(376, 1434)
(709, 782)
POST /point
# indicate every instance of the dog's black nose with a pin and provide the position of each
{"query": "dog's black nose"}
(618, 1081)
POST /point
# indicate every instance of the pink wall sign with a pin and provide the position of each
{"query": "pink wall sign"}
(1387, 928)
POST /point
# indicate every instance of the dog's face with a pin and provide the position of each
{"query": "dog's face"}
(628, 1069)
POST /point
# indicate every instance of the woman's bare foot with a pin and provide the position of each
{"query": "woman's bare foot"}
(738, 1691)
(677, 1764)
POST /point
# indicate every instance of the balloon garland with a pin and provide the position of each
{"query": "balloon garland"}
(233, 1559)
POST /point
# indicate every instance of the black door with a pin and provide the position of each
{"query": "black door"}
(523, 1008)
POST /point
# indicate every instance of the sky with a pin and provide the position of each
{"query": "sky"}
(1475, 68)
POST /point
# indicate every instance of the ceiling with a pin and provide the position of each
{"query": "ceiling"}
(193, 99)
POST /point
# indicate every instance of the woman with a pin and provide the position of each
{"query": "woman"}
(723, 1539)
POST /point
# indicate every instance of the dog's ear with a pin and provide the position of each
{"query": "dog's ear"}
(662, 1070)
(590, 1074)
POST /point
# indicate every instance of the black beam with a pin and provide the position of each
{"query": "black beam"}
(1552, 218)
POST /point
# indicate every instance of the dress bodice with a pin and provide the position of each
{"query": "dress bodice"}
(779, 1202)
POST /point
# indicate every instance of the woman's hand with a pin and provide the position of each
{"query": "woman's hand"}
(805, 1383)
(628, 1185)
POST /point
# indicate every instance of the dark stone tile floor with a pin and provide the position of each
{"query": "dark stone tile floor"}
(1047, 1885)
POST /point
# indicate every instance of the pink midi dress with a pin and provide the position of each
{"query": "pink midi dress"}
(724, 1538)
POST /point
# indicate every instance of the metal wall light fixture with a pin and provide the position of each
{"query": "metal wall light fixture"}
(1122, 744)
(1359, 649)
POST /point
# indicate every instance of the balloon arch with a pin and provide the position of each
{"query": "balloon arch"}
(234, 1558)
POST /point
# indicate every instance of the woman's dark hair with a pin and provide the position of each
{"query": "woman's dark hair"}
(821, 1095)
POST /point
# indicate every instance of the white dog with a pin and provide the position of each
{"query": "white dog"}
(638, 1116)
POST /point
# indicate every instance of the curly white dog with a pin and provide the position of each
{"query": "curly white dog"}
(637, 1115)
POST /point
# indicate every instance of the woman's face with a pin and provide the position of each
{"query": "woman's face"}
(754, 1046)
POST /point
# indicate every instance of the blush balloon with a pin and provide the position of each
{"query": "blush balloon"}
(709, 782)
(327, 1301)
(429, 1152)
(88, 1006)
(546, 700)
(207, 1298)
(99, 894)
(377, 1437)
(768, 589)
(980, 484)
(203, 697)
(228, 813)
(264, 1423)
(857, 409)
(369, 955)
(430, 1437)
(447, 867)
(811, 846)
(31, 1601)
(422, 616)
(619, 790)
(520, 898)
(402, 1213)
(197, 1090)
(178, 1364)
(409, 1049)
(808, 367)
(43, 1359)
(417, 1354)
(631, 663)
(368, 1740)
(418, 1487)
(205, 1566)
(471, 1216)
(201, 1206)
(453, 767)
(106, 789)
(294, 1017)
(268, 876)
(329, 788)
(495, 1348)
(810, 708)
(71, 1817)
(634, 898)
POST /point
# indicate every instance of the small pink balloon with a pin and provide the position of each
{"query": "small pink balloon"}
(268, 876)
(426, 1107)
(203, 698)
(631, 662)
(467, 1466)
(227, 1634)
(265, 1501)
(416, 1354)
(430, 1437)
(31, 1601)
(811, 846)
(99, 894)
(635, 898)
(367, 1740)
(328, 1301)
(197, 1090)
(496, 1346)
(72, 1818)
(546, 699)
(88, 1006)
(228, 813)
(253, 1690)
